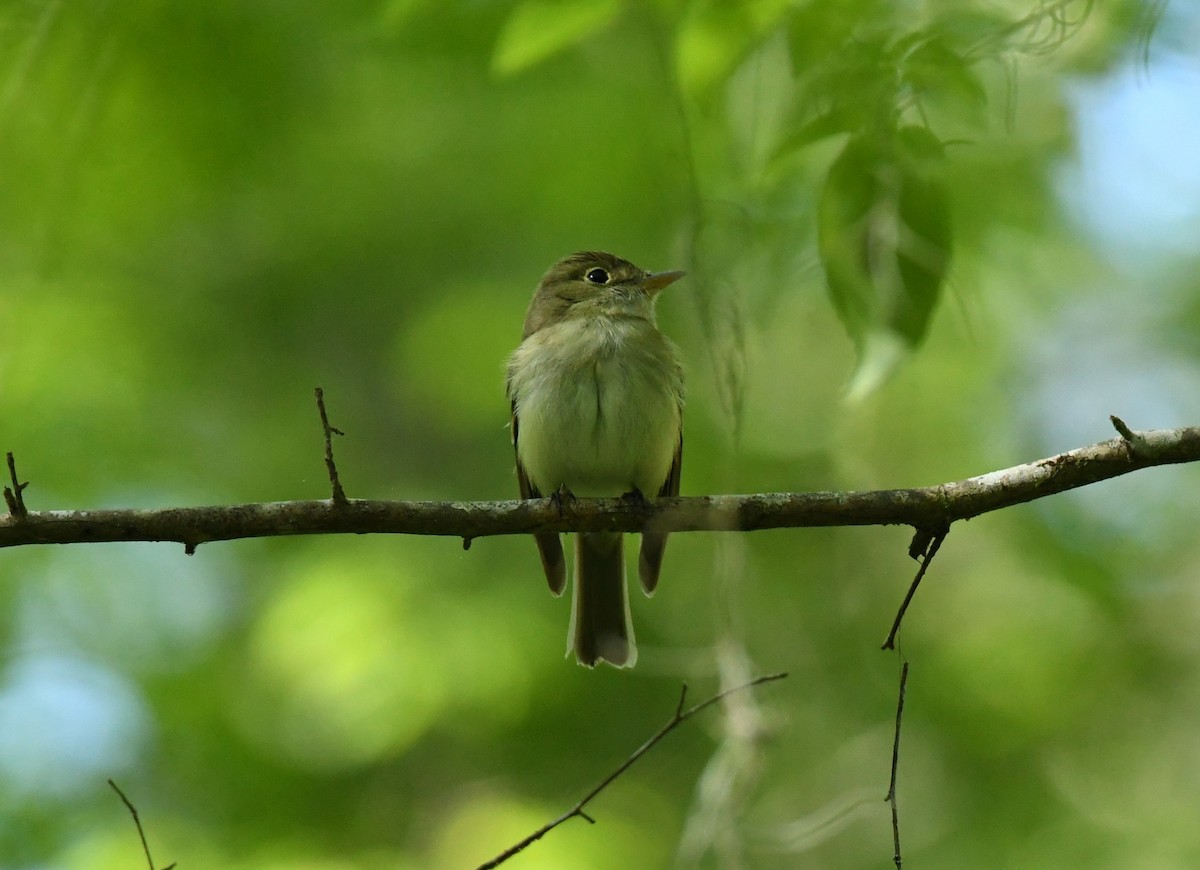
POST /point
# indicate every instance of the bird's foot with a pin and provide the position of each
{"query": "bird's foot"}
(635, 497)
(561, 497)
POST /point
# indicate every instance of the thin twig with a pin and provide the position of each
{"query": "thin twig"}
(14, 497)
(339, 494)
(935, 544)
(677, 719)
(138, 823)
(1123, 429)
(891, 795)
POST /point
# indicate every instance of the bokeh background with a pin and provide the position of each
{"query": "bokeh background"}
(206, 210)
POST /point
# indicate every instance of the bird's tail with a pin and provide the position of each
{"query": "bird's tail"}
(601, 628)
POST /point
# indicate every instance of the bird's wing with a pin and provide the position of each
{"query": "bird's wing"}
(655, 543)
(549, 544)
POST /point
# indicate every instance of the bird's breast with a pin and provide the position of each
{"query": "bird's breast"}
(599, 407)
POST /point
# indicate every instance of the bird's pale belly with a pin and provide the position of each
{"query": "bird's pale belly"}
(600, 430)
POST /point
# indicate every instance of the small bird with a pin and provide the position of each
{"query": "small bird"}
(597, 397)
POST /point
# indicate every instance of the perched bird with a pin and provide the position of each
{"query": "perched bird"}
(597, 399)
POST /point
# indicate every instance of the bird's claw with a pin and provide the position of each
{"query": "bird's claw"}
(635, 497)
(561, 497)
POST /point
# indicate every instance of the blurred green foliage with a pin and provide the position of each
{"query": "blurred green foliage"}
(209, 209)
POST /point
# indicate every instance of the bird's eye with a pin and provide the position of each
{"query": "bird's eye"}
(597, 276)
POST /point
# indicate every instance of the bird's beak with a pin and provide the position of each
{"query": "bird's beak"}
(656, 281)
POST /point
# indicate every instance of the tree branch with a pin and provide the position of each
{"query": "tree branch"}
(933, 507)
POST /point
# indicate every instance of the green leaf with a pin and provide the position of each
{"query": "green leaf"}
(539, 29)
(924, 245)
(715, 36)
(933, 69)
(823, 126)
(884, 240)
(844, 234)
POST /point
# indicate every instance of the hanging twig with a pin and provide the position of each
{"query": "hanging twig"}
(891, 795)
(931, 542)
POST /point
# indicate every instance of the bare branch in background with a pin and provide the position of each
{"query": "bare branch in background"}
(676, 720)
(138, 823)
